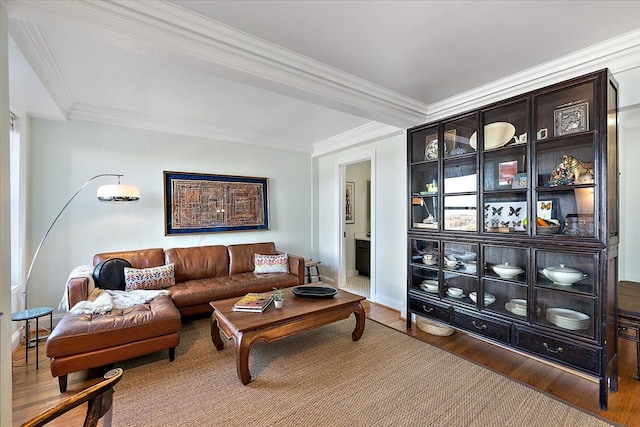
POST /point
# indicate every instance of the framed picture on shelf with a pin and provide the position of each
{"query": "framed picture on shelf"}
(507, 171)
(520, 180)
(349, 208)
(571, 118)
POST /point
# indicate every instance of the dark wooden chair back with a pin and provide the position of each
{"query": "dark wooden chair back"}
(99, 398)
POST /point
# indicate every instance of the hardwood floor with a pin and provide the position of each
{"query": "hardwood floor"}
(35, 391)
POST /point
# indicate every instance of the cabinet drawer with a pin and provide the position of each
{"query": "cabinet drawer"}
(431, 309)
(578, 356)
(480, 325)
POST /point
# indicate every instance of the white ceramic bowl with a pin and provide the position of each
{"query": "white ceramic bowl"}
(429, 285)
(507, 270)
(456, 292)
(450, 264)
(495, 135)
(488, 298)
(429, 259)
(562, 275)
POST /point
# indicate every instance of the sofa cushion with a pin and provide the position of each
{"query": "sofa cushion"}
(271, 263)
(109, 274)
(143, 258)
(149, 278)
(202, 291)
(199, 262)
(241, 257)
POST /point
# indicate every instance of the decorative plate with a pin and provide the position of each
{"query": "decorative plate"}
(431, 151)
(314, 291)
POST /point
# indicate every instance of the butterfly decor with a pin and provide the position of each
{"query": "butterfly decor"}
(511, 214)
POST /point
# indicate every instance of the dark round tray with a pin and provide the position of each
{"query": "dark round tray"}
(314, 291)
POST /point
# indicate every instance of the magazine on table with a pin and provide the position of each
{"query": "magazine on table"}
(253, 302)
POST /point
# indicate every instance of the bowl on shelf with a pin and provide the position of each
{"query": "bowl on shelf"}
(506, 270)
(429, 285)
(455, 292)
(495, 135)
(488, 298)
(429, 259)
(563, 275)
(553, 228)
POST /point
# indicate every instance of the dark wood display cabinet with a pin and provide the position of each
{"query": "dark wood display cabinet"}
(513, 224)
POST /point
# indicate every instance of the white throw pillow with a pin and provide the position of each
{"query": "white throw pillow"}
(271, 263)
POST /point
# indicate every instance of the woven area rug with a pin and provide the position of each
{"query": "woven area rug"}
(323, 378)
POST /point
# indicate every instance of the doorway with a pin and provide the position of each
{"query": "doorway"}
(357, 225)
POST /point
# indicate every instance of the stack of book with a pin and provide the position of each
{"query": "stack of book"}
(253, 302)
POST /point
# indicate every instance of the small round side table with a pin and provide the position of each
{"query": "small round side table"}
(26, 315)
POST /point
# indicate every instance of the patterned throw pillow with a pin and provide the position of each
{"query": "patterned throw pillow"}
(271, 263)
(149, 278)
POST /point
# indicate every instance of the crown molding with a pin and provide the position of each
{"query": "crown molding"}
(361, 134)
(177, 31)
(36, 51)
(619, 54)
(93, 113)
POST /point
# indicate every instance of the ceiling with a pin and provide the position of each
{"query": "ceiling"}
(302, 75)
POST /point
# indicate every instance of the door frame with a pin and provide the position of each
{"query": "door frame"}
(340, 169)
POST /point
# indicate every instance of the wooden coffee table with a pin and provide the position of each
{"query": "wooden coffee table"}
(297, 315)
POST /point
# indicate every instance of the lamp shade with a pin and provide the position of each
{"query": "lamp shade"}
(118, 193)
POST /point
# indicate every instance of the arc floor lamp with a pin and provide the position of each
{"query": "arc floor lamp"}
(113, 193)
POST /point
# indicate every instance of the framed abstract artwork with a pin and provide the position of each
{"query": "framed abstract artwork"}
(349, 209)
(203, 203)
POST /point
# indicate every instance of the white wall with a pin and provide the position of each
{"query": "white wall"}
(64, 155)
(629, 158)
(5, 227)
(388, 204)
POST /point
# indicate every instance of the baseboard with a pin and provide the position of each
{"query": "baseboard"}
(16, 339)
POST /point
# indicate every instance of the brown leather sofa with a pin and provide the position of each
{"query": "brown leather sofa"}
(203, 274)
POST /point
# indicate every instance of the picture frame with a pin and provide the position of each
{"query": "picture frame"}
(206, 203)
(349, 207)
(571, 118)
(520, 180)
(507, 172)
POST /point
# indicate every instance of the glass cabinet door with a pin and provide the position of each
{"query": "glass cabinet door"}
(425, 265)
(460, 179)
(504, 159)
(459, 263)
(424, 195)
(565, 177)
(505, 280)
(424, 149)
(565, 291)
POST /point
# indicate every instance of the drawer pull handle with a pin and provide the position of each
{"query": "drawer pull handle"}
(427, 309)
(551, 350)
(479, 327)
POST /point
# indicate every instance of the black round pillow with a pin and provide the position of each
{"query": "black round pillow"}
(109, 274)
